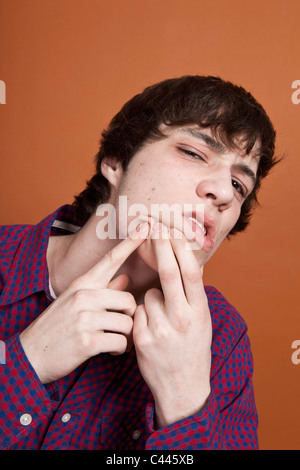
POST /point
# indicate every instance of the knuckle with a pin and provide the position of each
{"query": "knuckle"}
(130, 300)
(110, 257)
(75, 285)
(168, 274)
(79, 297)
(193, 277)
(120, 343)
(162, 333)
(129, 321)
(182, 325)
(141, 339)
(83, 319)
(181, 320)
(85, 342)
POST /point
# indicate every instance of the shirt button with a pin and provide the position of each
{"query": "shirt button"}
(136, 434)
(25, 419)
(66, 417)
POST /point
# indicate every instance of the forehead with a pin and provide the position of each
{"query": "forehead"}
(214, 141)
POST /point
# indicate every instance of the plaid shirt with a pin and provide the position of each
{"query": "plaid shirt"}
(105, 403)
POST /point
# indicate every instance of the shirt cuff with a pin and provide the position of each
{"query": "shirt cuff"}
(24, 400)
(199, 431)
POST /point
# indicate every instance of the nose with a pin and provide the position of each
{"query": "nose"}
(217, 188)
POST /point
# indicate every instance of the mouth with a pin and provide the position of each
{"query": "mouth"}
(204, 228)
(200, 227)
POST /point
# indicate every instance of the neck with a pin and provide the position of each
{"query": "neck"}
(70, 256)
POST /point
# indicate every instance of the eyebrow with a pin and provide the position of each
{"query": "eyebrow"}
(241, 167)
(218, 147)
(207, 139)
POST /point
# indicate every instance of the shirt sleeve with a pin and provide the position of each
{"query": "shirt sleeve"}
(24, 400)
(229, 419)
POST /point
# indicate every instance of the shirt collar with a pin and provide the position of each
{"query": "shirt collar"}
(29, 270)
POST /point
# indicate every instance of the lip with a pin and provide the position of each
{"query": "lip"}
(205, 240)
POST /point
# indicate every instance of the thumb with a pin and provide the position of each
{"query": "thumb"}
(140, 320)
(119, 283)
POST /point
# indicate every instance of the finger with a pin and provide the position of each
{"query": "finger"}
(101, 274)
(140, 322)
(168, 269)
(191, 271)
(129, 342)
(154, 307)
(120, 326)
(98, 300)
(113, 322)
(119, 300)
(106, 332)
(119, 283)
(112, 343)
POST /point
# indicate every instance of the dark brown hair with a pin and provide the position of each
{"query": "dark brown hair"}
(232, 113)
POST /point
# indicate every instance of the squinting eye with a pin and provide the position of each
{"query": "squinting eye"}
(238, 187)
(191, 154)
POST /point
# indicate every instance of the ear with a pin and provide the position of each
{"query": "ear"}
(112, 170)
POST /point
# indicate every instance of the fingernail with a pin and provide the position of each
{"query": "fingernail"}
(176, 233)
(157, 227)
(143, 228)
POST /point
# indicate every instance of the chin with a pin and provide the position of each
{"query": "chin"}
(147, 254)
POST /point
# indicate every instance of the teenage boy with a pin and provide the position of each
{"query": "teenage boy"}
(113, 342)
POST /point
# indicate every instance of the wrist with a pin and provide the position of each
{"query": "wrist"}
(32, 358)
(176, 408)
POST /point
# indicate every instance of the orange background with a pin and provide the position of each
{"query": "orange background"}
(69, 65)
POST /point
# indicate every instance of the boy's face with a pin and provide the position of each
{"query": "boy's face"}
(188, 170)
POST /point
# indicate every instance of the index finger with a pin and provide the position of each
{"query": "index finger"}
(103, 271)
(168, 269)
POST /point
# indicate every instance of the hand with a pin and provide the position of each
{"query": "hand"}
(78, 325)
(172, 334)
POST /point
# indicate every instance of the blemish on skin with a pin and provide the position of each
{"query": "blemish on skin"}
(153, 189)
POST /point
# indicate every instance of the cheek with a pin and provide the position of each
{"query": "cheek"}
(229, 220)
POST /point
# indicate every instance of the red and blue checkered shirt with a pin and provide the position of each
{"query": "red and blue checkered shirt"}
(105, 403)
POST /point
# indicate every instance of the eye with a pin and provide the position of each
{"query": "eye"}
(240, 189)
(191, 154)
